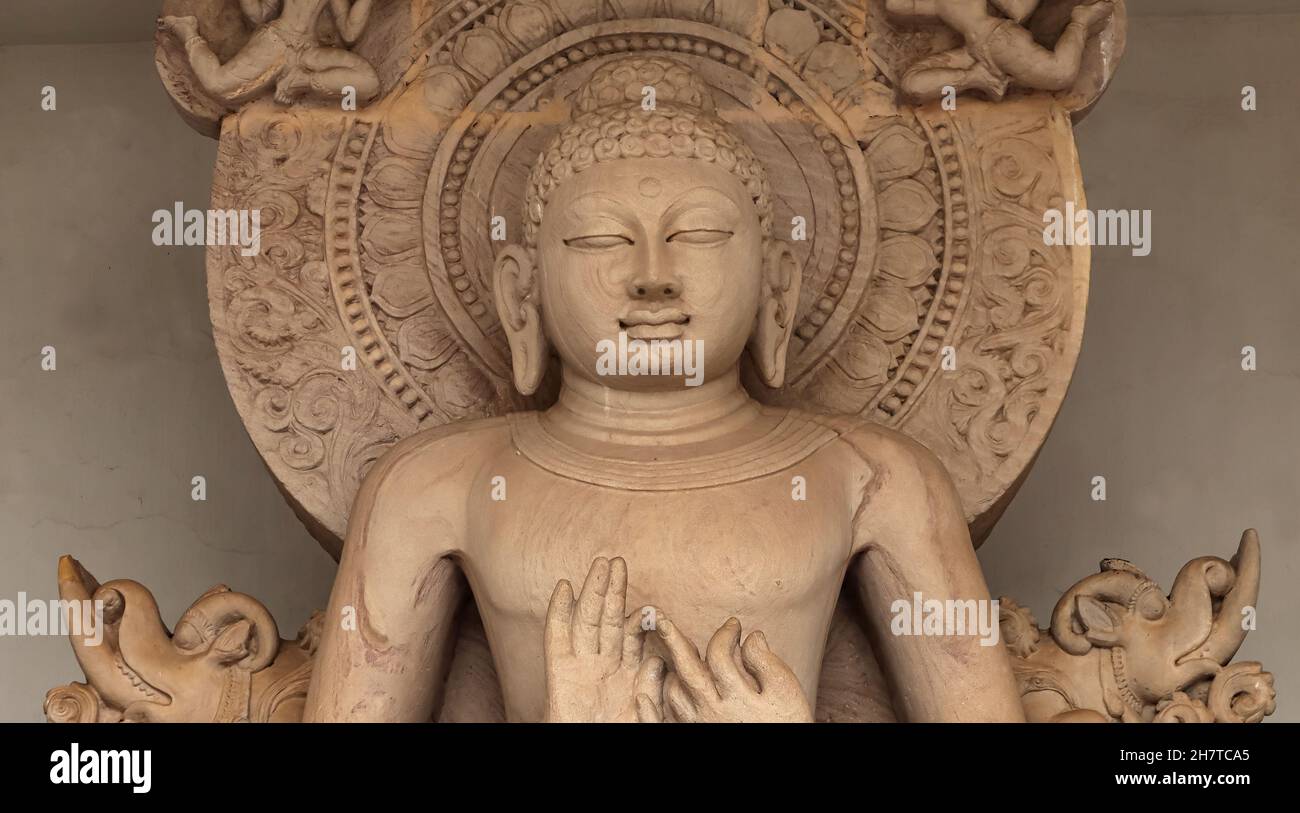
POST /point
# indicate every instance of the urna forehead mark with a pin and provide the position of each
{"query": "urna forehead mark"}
(650, 187)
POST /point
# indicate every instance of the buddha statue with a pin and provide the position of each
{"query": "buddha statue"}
(671, 538)
(696, 518)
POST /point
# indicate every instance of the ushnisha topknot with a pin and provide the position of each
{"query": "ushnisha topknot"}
(610, 123)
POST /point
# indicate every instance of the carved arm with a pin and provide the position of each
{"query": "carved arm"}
(922, 545)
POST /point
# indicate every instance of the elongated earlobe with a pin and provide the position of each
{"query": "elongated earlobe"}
(514, 289)
(776, 311)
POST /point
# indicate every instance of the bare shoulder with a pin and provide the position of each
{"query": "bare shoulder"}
(417, 490)
(440, 454)
(886, 448)
(900, 488)
(878, 451)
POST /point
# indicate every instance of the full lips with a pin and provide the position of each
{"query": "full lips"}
(668, 323)
(671, 330)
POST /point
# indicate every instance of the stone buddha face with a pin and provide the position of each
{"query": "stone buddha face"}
(653, 224)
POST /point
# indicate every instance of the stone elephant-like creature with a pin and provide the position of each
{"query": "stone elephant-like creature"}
(1119, 649)
(223, 662)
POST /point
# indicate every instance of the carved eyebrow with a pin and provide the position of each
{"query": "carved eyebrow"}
(702, 198)
(597, 205)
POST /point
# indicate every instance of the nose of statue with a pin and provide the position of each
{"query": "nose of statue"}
(653, 290)
(654, 284)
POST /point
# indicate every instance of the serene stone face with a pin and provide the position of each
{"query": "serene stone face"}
(659, 248)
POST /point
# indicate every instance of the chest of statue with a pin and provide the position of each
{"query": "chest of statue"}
(752, 548)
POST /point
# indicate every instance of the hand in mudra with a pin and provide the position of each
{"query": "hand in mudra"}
(594, 665)
(734, 684)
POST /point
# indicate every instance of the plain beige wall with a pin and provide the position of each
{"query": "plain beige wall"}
(97, 456)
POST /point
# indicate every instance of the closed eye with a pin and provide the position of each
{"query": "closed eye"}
(597, 242)
(700, 237)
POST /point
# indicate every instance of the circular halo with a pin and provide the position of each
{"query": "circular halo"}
(923, 242)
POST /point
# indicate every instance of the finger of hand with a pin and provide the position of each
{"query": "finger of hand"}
(633, 639)
(650, 678)
(721, 660)
(612, 619)
(686, 661)
(591, 603)
(558, 638)
(647, 711)
(679, 700)
(750, 682)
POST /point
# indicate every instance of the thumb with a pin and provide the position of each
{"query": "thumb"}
(763, 663)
